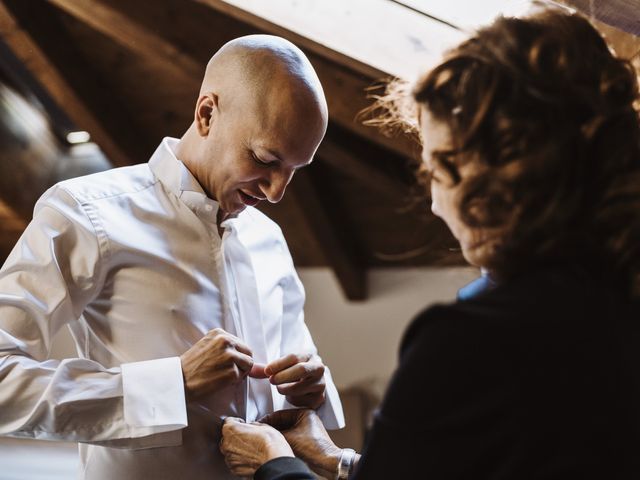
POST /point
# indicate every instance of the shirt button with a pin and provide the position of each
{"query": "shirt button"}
(208, 208)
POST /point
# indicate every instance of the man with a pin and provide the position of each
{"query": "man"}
(182, 298)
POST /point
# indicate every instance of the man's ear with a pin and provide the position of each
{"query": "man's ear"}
(206, 110)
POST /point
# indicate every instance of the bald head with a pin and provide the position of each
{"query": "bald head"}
(268, 68)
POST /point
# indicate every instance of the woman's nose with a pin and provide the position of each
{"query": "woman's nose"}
(434, 208)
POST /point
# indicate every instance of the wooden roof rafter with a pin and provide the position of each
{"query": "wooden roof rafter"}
(130, 34)
(47, 74)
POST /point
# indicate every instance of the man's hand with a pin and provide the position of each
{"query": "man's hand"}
(308, 439)
(247, 446)
(216, 361)
(300, 377)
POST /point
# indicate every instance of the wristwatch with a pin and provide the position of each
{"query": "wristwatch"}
(345, 465)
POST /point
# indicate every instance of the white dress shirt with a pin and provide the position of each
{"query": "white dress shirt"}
(131, 261)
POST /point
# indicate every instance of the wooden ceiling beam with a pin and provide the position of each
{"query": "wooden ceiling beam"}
(45, 72)
(621, 14)
(334, 154)
(337, 252)
(130, 34)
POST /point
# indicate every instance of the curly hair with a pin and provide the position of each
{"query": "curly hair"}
(546, 112)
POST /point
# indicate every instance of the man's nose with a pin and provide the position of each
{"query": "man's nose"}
(274, 190)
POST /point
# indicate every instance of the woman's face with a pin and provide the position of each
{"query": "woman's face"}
(474, 242)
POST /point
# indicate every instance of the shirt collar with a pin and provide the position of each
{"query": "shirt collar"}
(177, 178)
(478, 286)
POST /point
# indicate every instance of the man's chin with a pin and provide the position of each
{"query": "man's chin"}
(232, 210)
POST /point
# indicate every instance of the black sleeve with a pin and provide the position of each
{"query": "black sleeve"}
(284, 468)
(445, 403)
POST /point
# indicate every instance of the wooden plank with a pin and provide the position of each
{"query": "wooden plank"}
(10, 220)
(365, 35)
(618, 21)
(130, 34)
(338, 254)
(621, 14)
(338, 157)
(12, 226)
(468, 14)
(46, 73)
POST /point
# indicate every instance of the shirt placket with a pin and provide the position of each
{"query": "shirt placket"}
(247, 318)
(230, 307)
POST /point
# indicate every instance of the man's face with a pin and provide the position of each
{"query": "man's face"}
(251, 154)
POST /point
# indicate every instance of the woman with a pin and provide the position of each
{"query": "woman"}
(532, 145)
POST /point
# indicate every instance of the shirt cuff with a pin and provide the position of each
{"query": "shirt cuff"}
(284, 468)
(153, 393)
(330, 412)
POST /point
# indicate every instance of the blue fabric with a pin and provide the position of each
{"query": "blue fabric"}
(476, 287)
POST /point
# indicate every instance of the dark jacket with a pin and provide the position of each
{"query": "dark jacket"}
(538, 378)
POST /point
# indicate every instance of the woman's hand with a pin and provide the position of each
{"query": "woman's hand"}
(308, 438)
(247, 446)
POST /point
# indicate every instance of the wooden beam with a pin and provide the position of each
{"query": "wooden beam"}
(617, 20)
(130, 34)
(10, 219)
(339, 158)
(364, 35)
(46, 73)
(12, 227)
(337, 252)
(246, 16)
(621, 14)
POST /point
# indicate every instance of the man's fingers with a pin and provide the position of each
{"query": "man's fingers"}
(257, 371)
(230, 339)
(301, 371)
(241, 346)
(243, 362)
(301, 388)
(286, 362)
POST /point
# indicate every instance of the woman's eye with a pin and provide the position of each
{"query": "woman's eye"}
(429, 171)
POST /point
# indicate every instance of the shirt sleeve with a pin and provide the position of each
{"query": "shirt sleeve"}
(284, 468)
(53, 272)
(296, 338)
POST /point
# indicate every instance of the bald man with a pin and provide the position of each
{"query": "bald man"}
(181, 297)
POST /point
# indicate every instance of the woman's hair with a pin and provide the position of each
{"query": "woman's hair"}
(545, 112)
